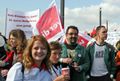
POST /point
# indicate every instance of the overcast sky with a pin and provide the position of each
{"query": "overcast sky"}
(81, 13)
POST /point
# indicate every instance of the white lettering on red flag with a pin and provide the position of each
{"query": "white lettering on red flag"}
(49, 24)
(83, 39)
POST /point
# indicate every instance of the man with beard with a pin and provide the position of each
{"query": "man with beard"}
(74, 55)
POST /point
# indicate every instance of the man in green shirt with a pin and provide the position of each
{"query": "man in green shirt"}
(74, 55)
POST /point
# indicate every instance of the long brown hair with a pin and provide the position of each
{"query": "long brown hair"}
(27, 57)
(20, 39)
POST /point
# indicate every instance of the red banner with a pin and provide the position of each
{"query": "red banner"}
(83, 39)
(49, 24)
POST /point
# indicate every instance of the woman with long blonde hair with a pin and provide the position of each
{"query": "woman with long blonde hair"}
(35, 64)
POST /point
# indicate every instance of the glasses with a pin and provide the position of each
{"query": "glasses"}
(72, 33)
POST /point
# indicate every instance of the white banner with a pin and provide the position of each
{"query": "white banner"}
(25, 21)
(113, 37)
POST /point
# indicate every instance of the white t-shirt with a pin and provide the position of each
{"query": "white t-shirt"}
(98, 66)
(35, 74)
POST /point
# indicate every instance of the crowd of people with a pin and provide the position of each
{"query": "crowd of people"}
(36, 59)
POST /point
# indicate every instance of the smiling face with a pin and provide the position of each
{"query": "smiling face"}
(72, 36)
(13, 41)
(39, 51)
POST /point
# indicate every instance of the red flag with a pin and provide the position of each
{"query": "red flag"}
(93, 32)
(83, 39)
(49, 24)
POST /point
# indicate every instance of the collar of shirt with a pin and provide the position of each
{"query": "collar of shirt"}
(43, 66)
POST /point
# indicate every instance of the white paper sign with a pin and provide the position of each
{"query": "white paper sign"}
(25, 21)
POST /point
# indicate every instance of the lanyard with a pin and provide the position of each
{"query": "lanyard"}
(56, 72)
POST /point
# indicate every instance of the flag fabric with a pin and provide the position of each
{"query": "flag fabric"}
(49, 24)
(93, 32)
(83, 39)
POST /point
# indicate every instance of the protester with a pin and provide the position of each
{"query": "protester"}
(3, 55)
(17, 43)
(117, 60)
(2, 49)
(35, 64)
(74, 55)
(101, 54)
(56, 65)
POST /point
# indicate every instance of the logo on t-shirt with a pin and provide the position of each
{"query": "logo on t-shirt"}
(99, 54)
